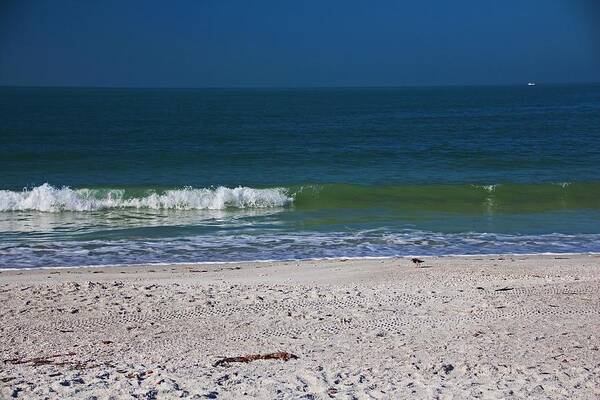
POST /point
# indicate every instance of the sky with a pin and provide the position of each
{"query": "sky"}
(240, 43)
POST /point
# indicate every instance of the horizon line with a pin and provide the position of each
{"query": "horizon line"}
(294, 87)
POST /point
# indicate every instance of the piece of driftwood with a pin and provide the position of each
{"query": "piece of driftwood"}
(54, 360)
(253, 357)
(38, 360)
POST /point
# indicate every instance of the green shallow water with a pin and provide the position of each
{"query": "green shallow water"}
(472, 199)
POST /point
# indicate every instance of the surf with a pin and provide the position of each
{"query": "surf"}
(48, 198)
(460, 198)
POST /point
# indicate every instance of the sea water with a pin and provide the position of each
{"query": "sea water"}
(117, 176)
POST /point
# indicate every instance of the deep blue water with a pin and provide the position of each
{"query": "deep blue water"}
(104, 176)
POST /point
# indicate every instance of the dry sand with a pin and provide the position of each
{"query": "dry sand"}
(461, 327)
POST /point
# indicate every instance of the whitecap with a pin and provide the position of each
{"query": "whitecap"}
(48, 198)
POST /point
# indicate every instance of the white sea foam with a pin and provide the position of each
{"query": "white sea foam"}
(489, 188)
(563, 185)
(281, 245)
(48, 198)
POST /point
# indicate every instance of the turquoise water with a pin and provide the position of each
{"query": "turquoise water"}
(112, 176)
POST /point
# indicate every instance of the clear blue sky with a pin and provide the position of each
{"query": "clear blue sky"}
(297, 43)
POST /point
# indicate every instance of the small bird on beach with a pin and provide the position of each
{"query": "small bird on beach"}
(417, 261)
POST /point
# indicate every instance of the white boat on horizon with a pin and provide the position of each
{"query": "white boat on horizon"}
(531, 84)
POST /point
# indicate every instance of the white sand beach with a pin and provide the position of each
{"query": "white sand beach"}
(487, 327)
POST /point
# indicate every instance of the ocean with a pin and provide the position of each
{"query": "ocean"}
(128, 176)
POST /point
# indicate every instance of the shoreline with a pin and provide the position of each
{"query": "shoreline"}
(475, 326)
(299, 260)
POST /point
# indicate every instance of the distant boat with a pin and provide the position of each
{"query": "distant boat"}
(531, 84)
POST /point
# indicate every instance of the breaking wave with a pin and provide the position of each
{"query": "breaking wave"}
(466, 198)
(48, 198)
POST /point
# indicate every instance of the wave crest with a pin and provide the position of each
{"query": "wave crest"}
(488, 188)
(48, 198)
